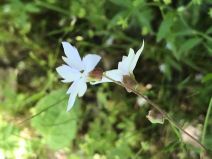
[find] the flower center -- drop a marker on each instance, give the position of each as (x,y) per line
(84,74)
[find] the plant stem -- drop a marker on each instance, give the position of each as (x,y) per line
(206,122)
(157,107)
(168,117)
(43,110)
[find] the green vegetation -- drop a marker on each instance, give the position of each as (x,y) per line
(175,71)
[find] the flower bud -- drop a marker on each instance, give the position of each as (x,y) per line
(155,117)
(95,75)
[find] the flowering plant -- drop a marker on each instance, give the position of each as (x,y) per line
(79,71)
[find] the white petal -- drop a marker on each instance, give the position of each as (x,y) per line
(73,87)
(67,73)
(67,61)
(78,86)
(82,87)
(71,100)
(130,56)
(116,75)
(103,80)
(124,57)
(124,65)
(73,57)
(90,61)
(136,57)
(73,94)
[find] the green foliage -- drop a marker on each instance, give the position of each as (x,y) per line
(165,26)
(56,126)
(8,141)
(10,99)
(206,129)
(174,71)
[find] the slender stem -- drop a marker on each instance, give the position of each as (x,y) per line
(168,117)
(206,121)
(135,91)
(43,110)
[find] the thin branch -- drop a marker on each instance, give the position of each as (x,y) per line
(135,91)
(43,110)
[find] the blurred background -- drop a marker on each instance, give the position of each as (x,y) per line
(175,71)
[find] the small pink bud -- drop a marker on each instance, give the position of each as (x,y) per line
(96,74)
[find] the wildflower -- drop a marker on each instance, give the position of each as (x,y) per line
(76,70)
(125,67)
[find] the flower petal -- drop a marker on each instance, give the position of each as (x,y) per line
(67,61)
(124,65)
(67,73)
(103,80)
(73,87)
(78,86)
(82,87)
(115,74)
(90,61)
(135,59)
(73,90)
(71,100)
(73,58)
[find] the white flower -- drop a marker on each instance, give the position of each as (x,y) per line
(125,67)
(76,70)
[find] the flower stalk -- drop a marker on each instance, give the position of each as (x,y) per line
(80,71)
(157,107)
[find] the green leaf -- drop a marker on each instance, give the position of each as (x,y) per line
(165,27)
(207,78)
(57,127)
(145,22)
(121,3)
(7,136)
(9,98)
(188,45)
(173,63)
(208,46)
(209,30)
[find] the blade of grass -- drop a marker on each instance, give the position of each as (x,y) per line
(206,121)
(206,125)
(53,7)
